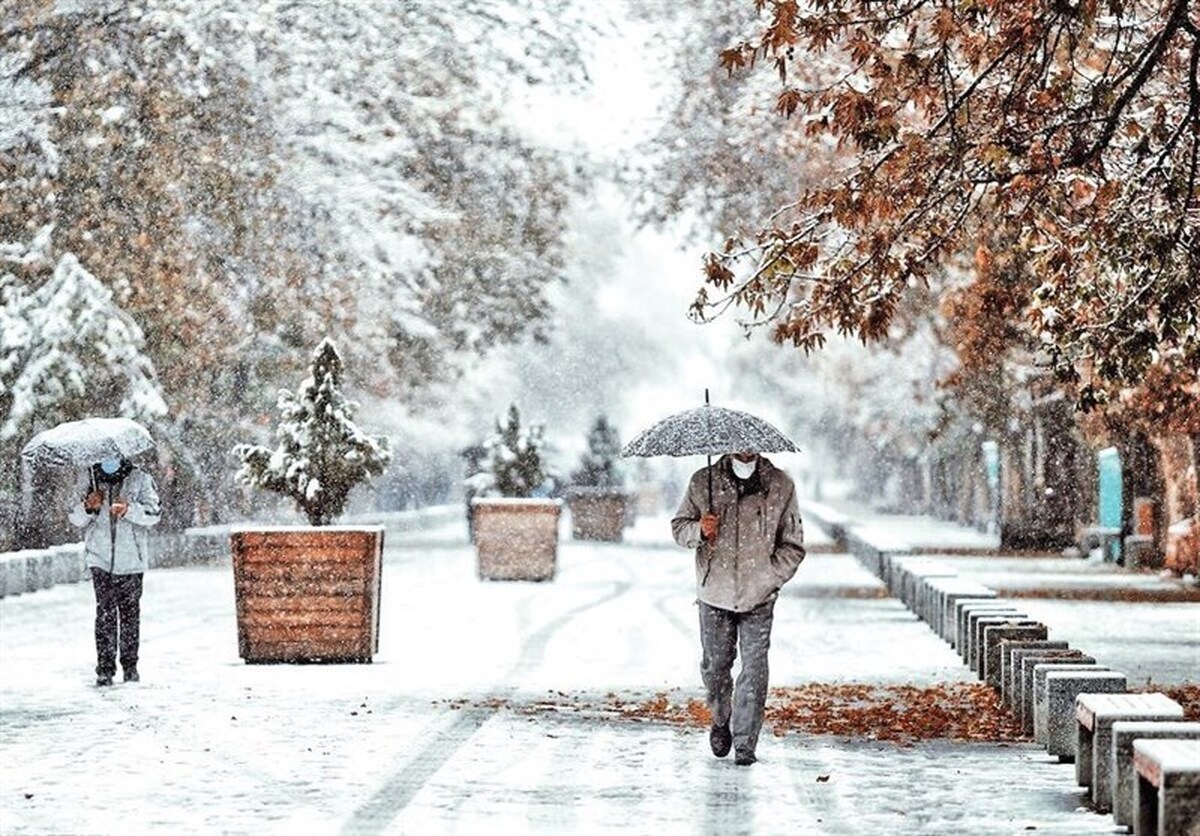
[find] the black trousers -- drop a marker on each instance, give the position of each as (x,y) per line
(118,619)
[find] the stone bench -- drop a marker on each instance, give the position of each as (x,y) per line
(12,574)
(944,592)
(1166,798)
(1032,696)
(906,572)
(874,549)
(1094,716)
(1124,781)
(1101,537)
(1011,654)
(970,613)
(996,639)
(928,590)
(977,651)
(1062,689)
(959,613)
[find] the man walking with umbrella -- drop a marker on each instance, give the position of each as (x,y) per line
(115,504)
(741,517)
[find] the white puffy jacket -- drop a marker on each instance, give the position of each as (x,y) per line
(117,545)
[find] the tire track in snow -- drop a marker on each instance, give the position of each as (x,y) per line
(398,791)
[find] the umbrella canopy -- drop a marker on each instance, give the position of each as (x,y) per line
(83,443)
(709,430)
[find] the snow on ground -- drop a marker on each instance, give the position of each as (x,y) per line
(208,744)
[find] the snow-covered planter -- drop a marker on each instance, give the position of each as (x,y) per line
(597,500)
(515,523)
(311,593)
(307,594)
(598,513)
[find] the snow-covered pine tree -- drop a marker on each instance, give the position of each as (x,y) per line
(322,454)
(67,351)
(514,466)
(598,465)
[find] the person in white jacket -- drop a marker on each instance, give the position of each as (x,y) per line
(116,504)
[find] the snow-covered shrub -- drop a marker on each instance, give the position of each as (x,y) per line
(321,453)
(598,467)
(513,465)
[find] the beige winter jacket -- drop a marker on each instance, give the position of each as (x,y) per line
(760,540)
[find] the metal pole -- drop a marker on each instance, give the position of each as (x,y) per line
(710,505)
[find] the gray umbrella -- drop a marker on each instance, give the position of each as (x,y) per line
(709,431)
(83,443)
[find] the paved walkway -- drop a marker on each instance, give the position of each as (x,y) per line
(446,732)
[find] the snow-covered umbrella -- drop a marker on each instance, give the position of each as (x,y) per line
(87,441)
(709,431)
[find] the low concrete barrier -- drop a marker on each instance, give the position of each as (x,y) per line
(1010,667)
(1166,798)
(32,569)
(1124,732)
(1095,716)
(1062,689)
(832,521)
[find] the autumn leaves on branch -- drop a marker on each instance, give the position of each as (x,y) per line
(1068,130)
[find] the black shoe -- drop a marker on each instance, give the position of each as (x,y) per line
(720,740)
(131,675)
(104,680)
(744,757)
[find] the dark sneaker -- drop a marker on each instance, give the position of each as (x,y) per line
(744,757)
(103,681)
(131,675)
(720,740)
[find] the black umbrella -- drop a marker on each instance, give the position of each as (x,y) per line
(709,431)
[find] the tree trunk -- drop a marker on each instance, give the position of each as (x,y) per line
(1195,439)
(1141,476)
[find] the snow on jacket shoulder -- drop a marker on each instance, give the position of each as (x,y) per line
(760,539)
(117,545)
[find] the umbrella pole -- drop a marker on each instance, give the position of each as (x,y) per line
(709,461)
(710,484)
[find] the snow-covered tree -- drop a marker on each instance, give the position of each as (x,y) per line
(321,454)
(67,350)
(598,467)
(514,465)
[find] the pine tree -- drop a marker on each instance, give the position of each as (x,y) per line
(67,350)
(322,454)
(514,463)
(598,466)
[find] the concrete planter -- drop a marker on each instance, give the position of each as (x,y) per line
(516,539)
(598,514)
(307,594)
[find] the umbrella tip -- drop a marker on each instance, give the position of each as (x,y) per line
(706,397)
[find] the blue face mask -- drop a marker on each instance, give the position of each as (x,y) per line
(110,466)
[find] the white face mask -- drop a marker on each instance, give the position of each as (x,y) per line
(744,470)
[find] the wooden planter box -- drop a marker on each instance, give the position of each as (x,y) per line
(307,594)
(598,514)
(516,539)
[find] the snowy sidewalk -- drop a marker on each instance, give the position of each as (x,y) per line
(426,740)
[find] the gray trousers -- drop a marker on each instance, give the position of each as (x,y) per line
(721,631)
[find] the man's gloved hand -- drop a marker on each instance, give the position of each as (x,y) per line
(93,501)
(119,507)
(709,523)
